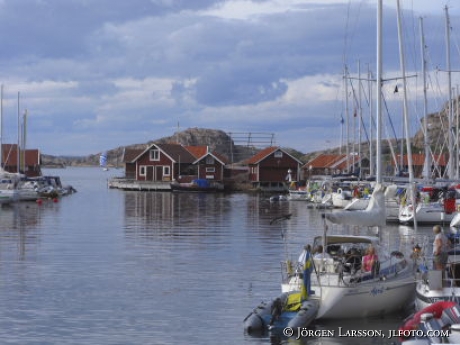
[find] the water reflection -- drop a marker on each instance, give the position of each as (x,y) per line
(20,226)
(111,267)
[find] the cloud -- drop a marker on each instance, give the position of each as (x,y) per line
(99,74)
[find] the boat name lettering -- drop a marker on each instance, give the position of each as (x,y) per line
(377,290)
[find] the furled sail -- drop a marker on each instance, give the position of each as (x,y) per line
(373,215)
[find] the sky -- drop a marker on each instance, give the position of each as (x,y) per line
(93,75)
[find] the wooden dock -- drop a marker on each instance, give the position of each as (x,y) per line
(126,184)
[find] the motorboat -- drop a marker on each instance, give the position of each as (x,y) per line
(436,285)
(435,324)
(342,287)
(286,310)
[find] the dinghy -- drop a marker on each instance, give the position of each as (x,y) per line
(287,310)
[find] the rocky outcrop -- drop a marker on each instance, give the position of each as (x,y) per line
(217,141)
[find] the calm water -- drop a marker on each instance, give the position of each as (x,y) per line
(105,266)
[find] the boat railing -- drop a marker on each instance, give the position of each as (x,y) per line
(335,272)
(437,279)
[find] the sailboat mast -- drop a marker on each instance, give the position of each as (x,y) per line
(371,126)
(1,127)
(18,151)
(406,113)
(347,113)
(379,93)
(426,141)
(452,156)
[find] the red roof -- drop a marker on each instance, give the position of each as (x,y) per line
(261,155)
(331,161)
(325,160)
(418,159)
(197,151)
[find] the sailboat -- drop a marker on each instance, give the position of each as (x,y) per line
(103,161)
(341,283)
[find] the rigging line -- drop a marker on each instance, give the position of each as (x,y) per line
(348,38)
(358,106)
(389,117)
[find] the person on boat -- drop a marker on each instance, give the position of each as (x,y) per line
(277,309)
(441,246)
(352,262)
(370,259)
(320,254)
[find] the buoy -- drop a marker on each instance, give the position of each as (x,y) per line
(55,199)
(39,201)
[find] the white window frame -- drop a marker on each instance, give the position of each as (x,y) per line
(209,160)
(154,155)
(166,170)
(210,169)
(278,154)
(143,170)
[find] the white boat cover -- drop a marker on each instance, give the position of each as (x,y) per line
(373,215)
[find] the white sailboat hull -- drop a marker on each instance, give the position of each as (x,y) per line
(425,213)
(338,301)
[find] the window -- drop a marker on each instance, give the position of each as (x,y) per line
(142,170)
(209,160)
(278,154)
(154,155)
(210,169)
(166,170)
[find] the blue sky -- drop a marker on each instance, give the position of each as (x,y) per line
(95,75)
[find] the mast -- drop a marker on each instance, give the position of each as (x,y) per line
(406,116)
(347,111)
(18,151)
(1,127)
(452,157)
(360,114)
(426,141)
(379,94)
(371,127)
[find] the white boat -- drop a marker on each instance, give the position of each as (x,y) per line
(360,203)
(436,285)
(344,292)
(299,194)
(341,197)
(350,292)
(8,196)
(425,213)
(455,222)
